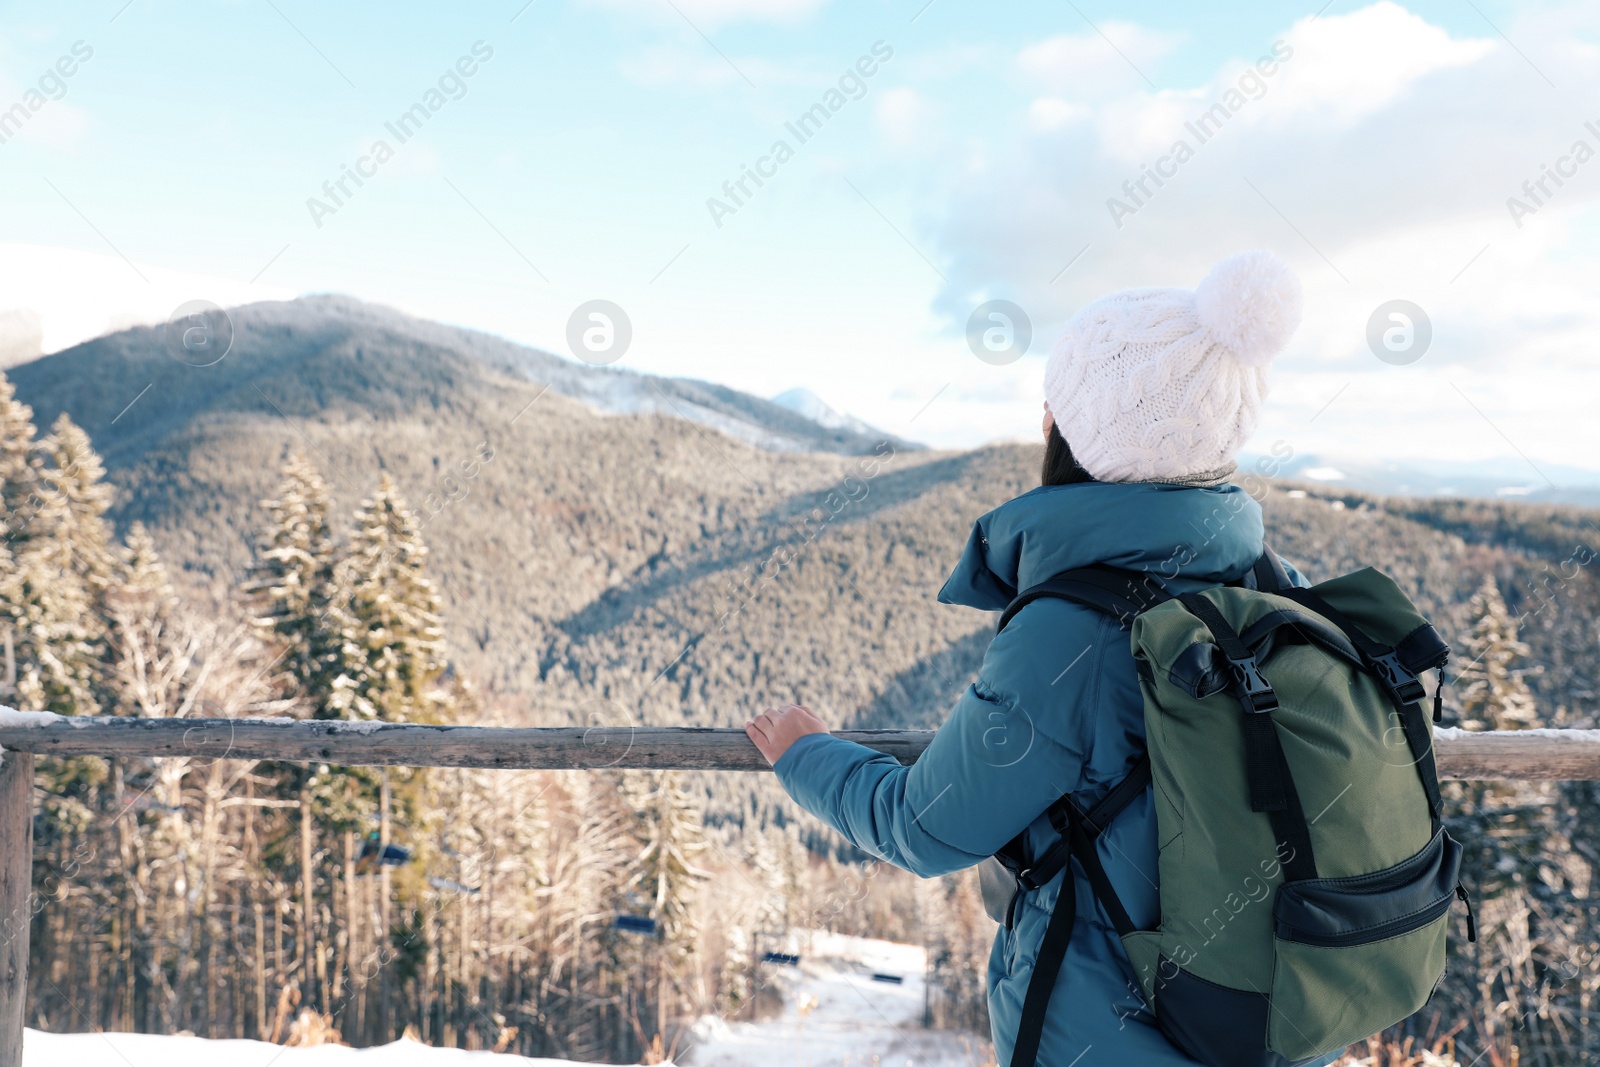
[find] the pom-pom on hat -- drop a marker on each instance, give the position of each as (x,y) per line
(1165,385)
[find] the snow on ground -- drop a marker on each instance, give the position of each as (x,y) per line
(835,1014)
(151,1050)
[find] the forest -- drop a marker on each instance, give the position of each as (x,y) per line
(593,916)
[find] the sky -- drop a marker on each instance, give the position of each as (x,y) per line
(572,150)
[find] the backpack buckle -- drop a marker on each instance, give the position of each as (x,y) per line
(1251,686)
(1405,686)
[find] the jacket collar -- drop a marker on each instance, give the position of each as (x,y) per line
(1212,535)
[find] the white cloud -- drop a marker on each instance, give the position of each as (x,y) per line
(905,117)
(75,295)
(1089,66)
(1379,158)
(1052,112)
(1345,69)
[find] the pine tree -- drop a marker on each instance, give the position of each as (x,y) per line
(150,648)
(20,464)
(670,827)
(61,568)
(388,614)
(292,588)
(385,612)
(78,499)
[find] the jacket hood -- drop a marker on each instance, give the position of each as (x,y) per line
(1211,535)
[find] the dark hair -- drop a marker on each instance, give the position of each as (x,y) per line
(1060,466)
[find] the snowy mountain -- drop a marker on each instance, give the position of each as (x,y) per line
(804,402)
(282,338)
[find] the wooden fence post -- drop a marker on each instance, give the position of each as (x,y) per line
(16,890)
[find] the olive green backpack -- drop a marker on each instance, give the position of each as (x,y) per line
(1305,876)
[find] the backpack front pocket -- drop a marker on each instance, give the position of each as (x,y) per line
(1355,955)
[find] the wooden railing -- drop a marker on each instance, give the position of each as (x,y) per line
(1525,755)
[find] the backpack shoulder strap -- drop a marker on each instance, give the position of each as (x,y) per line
(1269,574)
(1126,594)
(1122,594)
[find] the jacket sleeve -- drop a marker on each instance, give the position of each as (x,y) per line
(1013,745)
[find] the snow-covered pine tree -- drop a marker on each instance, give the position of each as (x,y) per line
(150,648)
(384,612)
(291,585)
(388,614)
(767,856)
(20,462)
(74,486)
(61,567)
(19,492)
(669,824)
(53,596)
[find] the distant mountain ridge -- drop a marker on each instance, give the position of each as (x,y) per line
(274,337)
(763,423)
(1507,478)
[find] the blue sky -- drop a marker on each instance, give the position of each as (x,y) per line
(578,159)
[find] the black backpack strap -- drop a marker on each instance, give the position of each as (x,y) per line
(1046,967)
(1269,573)
(1063,812)
(1122,594)
(1272,789)
(1079,830)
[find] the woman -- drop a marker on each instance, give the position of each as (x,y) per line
(1148,397)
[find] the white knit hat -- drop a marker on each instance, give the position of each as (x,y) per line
(1165,385)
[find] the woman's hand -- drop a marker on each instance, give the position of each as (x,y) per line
(775,729)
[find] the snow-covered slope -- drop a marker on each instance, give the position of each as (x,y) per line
(835,1011)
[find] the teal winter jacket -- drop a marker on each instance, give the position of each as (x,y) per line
(1055,709)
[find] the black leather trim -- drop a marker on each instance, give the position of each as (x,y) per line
(1218,1026)
(1422,649)
(1337,912)
(1198,670)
